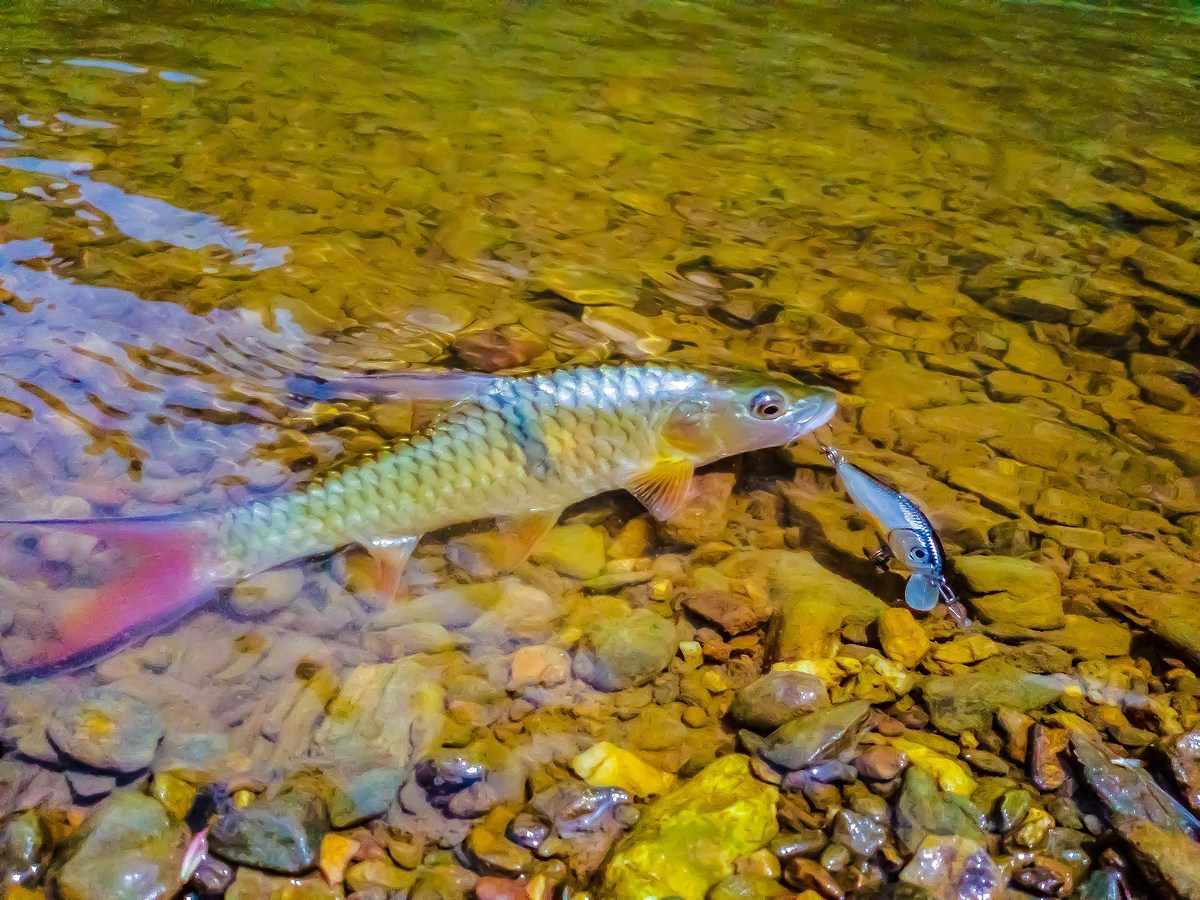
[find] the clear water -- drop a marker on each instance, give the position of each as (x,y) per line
(979,221)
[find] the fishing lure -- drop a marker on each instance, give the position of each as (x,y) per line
(518,449)
(910,537)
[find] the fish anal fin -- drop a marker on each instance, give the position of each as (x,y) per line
(663,489)
(491,553)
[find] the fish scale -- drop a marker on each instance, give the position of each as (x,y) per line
(537,443)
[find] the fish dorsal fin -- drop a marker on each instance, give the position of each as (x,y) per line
(664,488)
(448,386)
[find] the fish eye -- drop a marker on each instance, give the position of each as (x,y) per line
(768,404)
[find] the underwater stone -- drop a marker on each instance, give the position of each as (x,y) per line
(901,636)
(959,703)
(279,834)
(619,653)
(107,729)
(952,867)
(574,550)
(366,796)
(126,849)
(687,841)
(809,740)
(777,697)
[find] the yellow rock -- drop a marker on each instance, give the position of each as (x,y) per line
(336,852)
(969,649)
(379,872)
(831,671)
(950,775)
(688,840)
(607,765)
(893,674)
(174,793)
(901,637)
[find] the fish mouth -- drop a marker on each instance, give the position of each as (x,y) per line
(814,411)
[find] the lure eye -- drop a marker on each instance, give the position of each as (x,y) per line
(768,404)
(918,554)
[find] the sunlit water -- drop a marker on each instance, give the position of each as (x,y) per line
(969,218)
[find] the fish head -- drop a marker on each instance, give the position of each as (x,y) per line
(733,412)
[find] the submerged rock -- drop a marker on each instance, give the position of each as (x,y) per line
(687,841)
(625,651)
(607,765)
(127,849)
(776,698)
(959,703)
(281,834)
(703,515)
(952,868)
(901,637)
(107,729)
(812,739)
(812,603)
(1013,591)
(365,796)
(923,810)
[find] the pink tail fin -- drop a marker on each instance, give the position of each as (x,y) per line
(166,570)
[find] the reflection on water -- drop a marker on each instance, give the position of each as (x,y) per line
(979,222)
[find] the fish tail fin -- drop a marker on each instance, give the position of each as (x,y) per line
(168,566)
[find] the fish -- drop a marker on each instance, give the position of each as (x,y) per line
(515,449)
(910,537)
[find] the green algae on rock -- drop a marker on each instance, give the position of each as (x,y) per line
(624,651)
(127,849)
(959,703)
(280,834)
(816,737)
(687,841)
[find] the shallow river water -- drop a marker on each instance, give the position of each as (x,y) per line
(980,223)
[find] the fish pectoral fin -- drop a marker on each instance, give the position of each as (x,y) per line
(390,557)
(664,488)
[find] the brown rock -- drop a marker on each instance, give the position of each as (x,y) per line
(880,763)
(1045,765)
(732,613)
(808,875)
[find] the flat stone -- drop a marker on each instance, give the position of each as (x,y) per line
(967,702)
(127,849)
(816,737)
(107,729)
(1165,270)
(732,613)
(1091,638)
(1019,577)
(267,593)
(776,698)
(574,550)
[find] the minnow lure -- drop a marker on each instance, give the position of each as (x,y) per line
(520,449)
(911,538)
